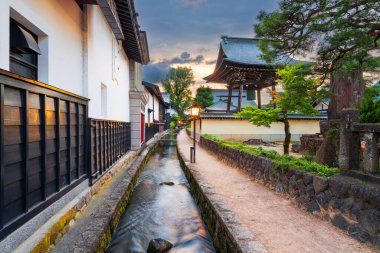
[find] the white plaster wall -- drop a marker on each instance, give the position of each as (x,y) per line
(59,25)
(156,109)
(108,65)
(149,105)
(243,129)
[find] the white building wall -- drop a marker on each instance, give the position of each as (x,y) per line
(63,61)
(156,109)
(59,27)
(149,105)
(108,65)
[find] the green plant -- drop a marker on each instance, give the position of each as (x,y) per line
(177,84)
(299,90)
(370,105)
(281,162)
(204,97)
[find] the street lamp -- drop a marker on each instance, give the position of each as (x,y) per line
(194,111)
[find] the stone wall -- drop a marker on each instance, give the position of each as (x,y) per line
(229,235)
(348,203)
(310,143)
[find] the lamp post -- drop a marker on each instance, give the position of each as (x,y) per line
(194,111)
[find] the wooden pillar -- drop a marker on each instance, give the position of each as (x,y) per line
(240,97)
(229,98)
(259,98)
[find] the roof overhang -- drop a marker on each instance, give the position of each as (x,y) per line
(135,43)
(109,10)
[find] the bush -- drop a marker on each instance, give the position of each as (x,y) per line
(282,162)
(370,105)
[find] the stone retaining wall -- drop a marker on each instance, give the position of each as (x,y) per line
(228,234)
(348,203)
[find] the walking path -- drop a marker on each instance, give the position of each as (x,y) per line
(274,220)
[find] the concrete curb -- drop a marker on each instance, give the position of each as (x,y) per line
(59,224)
(228,233)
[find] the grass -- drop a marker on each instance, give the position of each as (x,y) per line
(282,162)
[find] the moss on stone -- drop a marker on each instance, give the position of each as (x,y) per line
(54,232)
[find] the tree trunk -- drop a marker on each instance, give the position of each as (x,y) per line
(287,135)
(348,93)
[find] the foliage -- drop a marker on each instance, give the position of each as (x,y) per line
(299,90)
(341,33)
(260,117)
(177,84)
(282,162)
(204,97)
(370,105)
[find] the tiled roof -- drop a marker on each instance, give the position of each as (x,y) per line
(219,106)
(246,50)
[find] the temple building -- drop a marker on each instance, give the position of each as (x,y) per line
(247,78)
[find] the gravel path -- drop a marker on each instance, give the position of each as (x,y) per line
(276,222)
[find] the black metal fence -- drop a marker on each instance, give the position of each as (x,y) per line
(109,140)
(43,147)
(150,130)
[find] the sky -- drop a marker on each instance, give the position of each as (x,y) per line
(187,32)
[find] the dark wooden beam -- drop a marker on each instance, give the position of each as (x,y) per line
(69,134)
(240,98)
(259,98)
(1,154)
(44,143)
(58,144)
(86,2)
(229,98)
(26,151)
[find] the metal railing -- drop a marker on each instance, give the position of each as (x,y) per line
(43,147)
(108,141)
(150,130)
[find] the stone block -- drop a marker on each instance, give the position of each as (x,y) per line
(370,220)
(339,187)
(320,184)
(323,200)
(307,178)
(340,222)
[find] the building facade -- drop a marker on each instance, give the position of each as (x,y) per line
(82,49)
(70,80)
(156,110)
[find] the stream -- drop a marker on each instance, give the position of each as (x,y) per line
(162,211)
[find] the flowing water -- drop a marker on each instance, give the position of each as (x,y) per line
(162,211)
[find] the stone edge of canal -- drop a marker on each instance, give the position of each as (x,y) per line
(228,234)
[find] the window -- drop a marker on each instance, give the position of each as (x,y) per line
(23,51)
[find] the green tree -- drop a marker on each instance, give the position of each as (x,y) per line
(204,97)
(177,84)
(370,105)
(342,34)
(299,90)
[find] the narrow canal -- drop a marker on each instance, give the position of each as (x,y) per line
(160,210)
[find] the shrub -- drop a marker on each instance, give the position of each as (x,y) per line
(281,162)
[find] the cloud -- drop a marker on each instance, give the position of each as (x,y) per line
(185,55)
(156,71)
(194,3)
(210,62)
(184,58)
